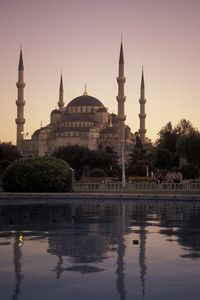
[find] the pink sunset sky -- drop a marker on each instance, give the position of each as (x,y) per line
(82,37)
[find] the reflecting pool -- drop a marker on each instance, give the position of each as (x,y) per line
(100,250)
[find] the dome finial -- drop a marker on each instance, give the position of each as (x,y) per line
(85,91)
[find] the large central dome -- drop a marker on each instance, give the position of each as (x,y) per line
(85,100)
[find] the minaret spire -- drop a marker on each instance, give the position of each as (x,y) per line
(21,64)
(61,102)
(142,115)
(121,56)
(142,80)
(121,79)
(20,102)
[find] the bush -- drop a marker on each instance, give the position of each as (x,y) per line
(8,153)
(37,174)
(190,172)
(97,173)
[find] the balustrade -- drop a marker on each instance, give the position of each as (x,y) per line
(136,186)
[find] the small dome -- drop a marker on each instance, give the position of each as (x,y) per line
(55,111)
(36,134)
(85,100)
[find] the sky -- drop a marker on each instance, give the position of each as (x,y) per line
(82,38)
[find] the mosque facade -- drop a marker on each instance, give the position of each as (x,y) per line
(84,121)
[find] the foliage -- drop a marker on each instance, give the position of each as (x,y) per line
(183,127)
(107,160)
(188,146)
(138,160)
(163,158)
(8,153)
(37,174)
(190,172)
(82,159)
(76,156)
(163,172)
(168,136)
(97,173)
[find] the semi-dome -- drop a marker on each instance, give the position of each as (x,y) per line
(55,111)
(35,135)
(85,100)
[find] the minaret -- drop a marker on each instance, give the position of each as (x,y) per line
(142,114)
(61,102)
(20,102)
(121,99)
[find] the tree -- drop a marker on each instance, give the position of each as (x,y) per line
(183,127)
(188,146)
(138,160)
(37,174)
(169,135)
(167,138)
(107,160)
(8,153)
(82,158)
(78,157)
(190,172)
(163,159)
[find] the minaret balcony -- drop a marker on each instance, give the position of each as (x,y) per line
(121,98)
(20,102)
(142,131)
(142,115)
(142,100)
(20,84)
(121,118)
(121,79)
(20,121)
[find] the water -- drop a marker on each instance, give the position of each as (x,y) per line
(100,250)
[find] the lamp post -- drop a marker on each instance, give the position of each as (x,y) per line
(123,167)
(24,134)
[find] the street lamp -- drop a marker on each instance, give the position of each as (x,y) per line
(24,134)
(123,167)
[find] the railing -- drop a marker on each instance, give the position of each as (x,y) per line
(136,186)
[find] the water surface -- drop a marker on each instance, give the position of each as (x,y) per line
(100,250)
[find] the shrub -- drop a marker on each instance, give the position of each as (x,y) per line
(37,174)
(190,172)
(97,173)
(8,153)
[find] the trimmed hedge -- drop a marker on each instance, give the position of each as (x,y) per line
(37,174)
(97,173)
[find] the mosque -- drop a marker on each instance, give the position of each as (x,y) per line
(84,121)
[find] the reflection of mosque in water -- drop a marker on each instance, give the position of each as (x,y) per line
(87,233)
